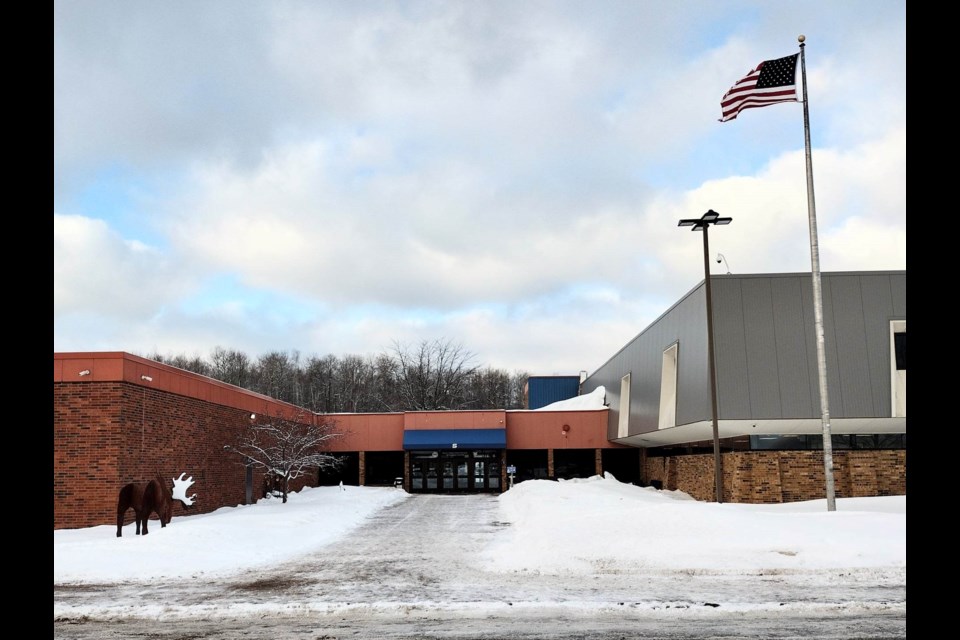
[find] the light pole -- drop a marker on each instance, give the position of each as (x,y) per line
(701,224)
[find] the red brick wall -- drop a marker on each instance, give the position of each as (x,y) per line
(782,476)
(86,450)
(107,434)
(696,475)
(753,476)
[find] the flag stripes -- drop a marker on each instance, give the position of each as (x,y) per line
(772,82)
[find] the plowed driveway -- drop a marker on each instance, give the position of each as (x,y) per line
(412,572)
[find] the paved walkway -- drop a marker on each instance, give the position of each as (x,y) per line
(413,572)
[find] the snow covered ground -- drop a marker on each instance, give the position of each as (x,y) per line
(543,559)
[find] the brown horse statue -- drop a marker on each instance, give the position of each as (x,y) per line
(154,496)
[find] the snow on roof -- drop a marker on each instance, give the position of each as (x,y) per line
(586,402)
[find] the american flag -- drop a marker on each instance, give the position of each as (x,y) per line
(773,81)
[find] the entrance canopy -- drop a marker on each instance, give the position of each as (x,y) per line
(439,439)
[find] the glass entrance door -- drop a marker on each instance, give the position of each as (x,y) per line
(455,471)
(424,470)
(463,474)
(479,474)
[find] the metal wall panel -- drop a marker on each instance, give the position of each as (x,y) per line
(796,351)
(544,390)
(766,350)
(852,360)
(898,294)
(878,310)
(829,344)
(730,346)
(762,372)
(642,357)
(688,325)
(831,347)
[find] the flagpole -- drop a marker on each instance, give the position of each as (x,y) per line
(817,295)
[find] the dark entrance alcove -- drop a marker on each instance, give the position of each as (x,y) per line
(624,464)
(382,468)
(574,463)
(348,471)
(530,464)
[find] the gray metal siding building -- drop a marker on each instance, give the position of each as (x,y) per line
(767,374)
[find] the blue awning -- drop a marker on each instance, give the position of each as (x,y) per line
(455,439)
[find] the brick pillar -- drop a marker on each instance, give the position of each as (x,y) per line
(503,470)
(549,463)
(363,468)
(644,473)
(406,471)
(670,474)
(598,461)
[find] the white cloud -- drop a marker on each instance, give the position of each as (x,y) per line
(506,174)
(95,270)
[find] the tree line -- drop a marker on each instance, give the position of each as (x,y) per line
(436,375)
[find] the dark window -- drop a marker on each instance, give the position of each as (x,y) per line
(781,442)
(892,441)
(574,463)
(815,442)
(839,442)
(530,464)
(869,441)
(900,349)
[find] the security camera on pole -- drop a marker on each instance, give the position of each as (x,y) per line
(702,224)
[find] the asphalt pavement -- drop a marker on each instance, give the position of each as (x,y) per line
(412,571)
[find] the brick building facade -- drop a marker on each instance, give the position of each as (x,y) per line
(120,418)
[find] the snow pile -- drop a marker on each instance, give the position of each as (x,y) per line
(227,540)
(586,402)
(598,522)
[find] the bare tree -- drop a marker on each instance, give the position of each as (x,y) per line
(288,448)
(230,366)
(194,364)
(276,375)
(356,377)
(318,379)
(433,375)
(385,385)
(518,386)
(489,389)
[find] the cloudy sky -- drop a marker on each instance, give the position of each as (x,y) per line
(337,177)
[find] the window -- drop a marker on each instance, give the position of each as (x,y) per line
(898,368)
(793,442)
(900,350)
(623,426)
(779,442)
(668,388)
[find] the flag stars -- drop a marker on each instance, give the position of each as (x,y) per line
(771,82)
(778,73)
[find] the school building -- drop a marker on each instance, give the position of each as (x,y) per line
(120,418)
